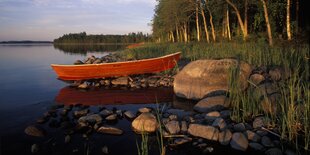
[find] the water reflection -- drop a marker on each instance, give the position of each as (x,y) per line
(100,96)
(85,48)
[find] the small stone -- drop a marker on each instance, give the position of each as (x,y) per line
(262,133)
(220,122)
(93,118)
(256,79)
(129,114)
(106,112)
(258,122)
(119,112)
(173,117)
(146,122)
(110,130)
(202,145)
(78,62)
(67,139)
(41,120)
(266,141)
(83,86)
(80,113)
(252,136)
(180,141)
(239,141)
(208,104)
(208,149)
(225,137)
(105,150)
(274,151)
(111,117)
(211,116)
(35,131)
(144,110)
(204,131)
(240,127)
(290,152)
(183,126)
(121,81)
(225,113)
(256,146)
(173,127)
(34,148)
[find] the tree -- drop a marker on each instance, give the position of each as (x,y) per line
(288,21)
(267,22)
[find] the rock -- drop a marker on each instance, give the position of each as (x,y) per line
(109,130)
(144,109)
(180,113)
(80,113)
(204,131)
(78,62)
(256,146)
(269,103)
(180,141)
(173,117)
(275,74)
(121,81)
(201,77)
(129,114)
(252,136)
(83,86)
(274,151)
(105,112)
(225,113)
(67,139)
(111,117)
(42,120)
(183,126)
(240,127)
(265,89)
(146,122)
(105,150)
(225,137)
(262,133)
(36,131)
(209,104)
(239,141)
(208,149)
(34,148)
(173,127)
(266,141)
(211,116)
(97,61)
(257,78)
(290,152)
(259,122)
(220,122)
(93,118)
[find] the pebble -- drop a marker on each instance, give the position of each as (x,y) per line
(129,114)
(105,150)
(144,110)
(34,148)
(111,117)
(274,151)
(67,139)
(173,127)
(35,131)
(266,141)
(240,127)
(110,130)
(208,149)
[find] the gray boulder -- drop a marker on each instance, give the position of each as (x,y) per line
(201,77)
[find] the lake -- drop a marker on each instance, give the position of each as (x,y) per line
(29,87)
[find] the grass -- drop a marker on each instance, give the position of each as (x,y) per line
(293,109)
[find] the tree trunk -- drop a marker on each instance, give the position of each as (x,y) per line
(177,32)
(297,16)
(227,22)
(267,22)
(211,22)
(246,16)
(205,23)
(197,22)
(288,21)
(245,33)
(185,33)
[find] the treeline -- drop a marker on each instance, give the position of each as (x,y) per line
(214,20)
(83,38)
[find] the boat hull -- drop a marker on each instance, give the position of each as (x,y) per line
(94,71)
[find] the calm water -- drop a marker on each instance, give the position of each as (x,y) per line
(28,87)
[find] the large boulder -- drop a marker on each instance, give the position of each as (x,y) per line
(202,77)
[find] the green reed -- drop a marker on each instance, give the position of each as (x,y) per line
(143,147)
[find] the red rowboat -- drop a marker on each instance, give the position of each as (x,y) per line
(93,71)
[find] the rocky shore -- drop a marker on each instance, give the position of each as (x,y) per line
(210,120)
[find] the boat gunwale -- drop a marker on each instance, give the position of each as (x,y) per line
(113,63)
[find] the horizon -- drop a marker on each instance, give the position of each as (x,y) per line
(46,20)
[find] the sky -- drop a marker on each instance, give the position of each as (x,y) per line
(49,19)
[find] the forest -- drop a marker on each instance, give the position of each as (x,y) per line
(216,20)
(83,38)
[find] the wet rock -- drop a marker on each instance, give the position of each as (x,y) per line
(180,141)
(67,139)
(257,79)
(105,150)
(93,118)
(42,120)
(239,141)
(183,126)
(262,133)
(274,151)
(119,113)
(34,148)
(121,81)
(106,112)
(36,131)
(225,137)
(252,136)
(97,61)
(266,141)
(180,113)
(146,122)
(111,117)
(173,127)
(204,131)
(80,113)
(109,130)
(215,103)
(144,110)
(83,86)
(201,77)
(78,62)
(129,114)
(240,127)
(220,123)
(256,146)
(208,149)
(265,89)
